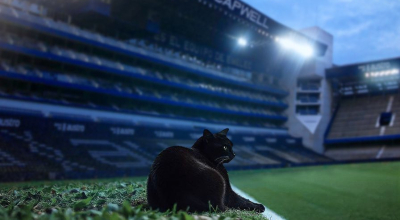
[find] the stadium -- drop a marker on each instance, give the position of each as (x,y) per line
(91,91)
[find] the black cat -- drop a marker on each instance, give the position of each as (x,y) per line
(195,178)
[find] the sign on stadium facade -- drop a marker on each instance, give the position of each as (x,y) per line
(245,11)
(10,122)
(360,69)
(375,67)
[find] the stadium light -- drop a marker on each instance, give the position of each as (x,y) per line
(242,42)
(304,50)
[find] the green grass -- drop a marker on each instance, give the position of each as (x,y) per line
(115,199)
(354,192)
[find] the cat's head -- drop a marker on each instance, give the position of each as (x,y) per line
(217,147)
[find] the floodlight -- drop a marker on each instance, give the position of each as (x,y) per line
(304,50)
(381,73)
(242,42)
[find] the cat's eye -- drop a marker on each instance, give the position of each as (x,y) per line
(225,148)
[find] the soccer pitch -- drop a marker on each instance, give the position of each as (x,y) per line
(354,192)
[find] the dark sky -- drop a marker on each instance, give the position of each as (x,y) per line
(363,30)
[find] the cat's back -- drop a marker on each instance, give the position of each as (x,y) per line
(177,158)
(174,151)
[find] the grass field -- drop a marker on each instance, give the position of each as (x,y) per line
(354,192)
(358,191)
(114,199)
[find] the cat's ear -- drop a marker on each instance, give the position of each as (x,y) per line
(207,133)
(223,132)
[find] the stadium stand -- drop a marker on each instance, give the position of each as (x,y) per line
(84,94)
(87,148)
(365,125)
(98,64)
(364,152)
(105,43)
(354,153)
(356,113)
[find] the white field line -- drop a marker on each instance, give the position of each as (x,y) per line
(268,213)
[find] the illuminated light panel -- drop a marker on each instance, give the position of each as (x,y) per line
(304,50)
(242,42)
(391,72)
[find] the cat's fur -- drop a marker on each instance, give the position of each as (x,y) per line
(195,178)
